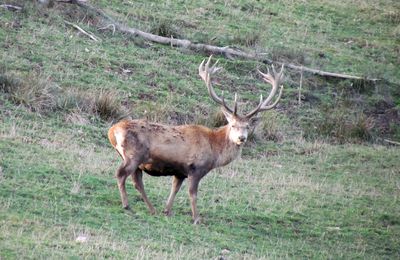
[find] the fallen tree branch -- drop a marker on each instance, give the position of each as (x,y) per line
(91,36)
(11,7)
(391,142)
(226,51)
(108,26)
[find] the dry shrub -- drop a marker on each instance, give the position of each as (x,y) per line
(165,28)
(362,127)
(269,127)
(216,119)
(107,105)
(75,100)
(40,94)
(288,54)
(250,39)
(339,125)
(34,91)
(392,16)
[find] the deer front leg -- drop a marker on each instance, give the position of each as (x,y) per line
(176,185)
(138,183)
(193,186)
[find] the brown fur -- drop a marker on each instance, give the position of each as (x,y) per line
(160,150)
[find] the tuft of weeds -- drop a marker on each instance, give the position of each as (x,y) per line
(338,124)
(269,128)
(107,105)
(34,91)
(392,16)
(8,83)
(251,39)
(292,55)
(165,28)
(216,119)
(73,100)
(39,94)
(395,131)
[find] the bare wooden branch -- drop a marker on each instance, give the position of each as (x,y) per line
(226,51)
(391,142)
(108,26)
(11,7)
(91,36)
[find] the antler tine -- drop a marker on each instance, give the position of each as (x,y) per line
(235,106)
(263,108)
(205,72)
(273,79)
(255,110)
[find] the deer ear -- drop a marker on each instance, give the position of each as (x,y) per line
(254,121)
(227,115)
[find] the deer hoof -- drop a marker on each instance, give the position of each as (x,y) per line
(167,213)
(127,207)
(197,221)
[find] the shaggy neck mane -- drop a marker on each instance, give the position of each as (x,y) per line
(225,150)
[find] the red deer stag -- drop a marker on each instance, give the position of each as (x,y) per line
(185,151)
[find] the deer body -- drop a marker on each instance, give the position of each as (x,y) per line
(185,151)
(173,150)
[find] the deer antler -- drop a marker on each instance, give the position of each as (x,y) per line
(274,79)
(205,72)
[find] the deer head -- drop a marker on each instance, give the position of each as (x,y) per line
(239,125)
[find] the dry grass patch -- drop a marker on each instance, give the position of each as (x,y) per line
(35,91)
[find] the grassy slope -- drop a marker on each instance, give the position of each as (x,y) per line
(306,199)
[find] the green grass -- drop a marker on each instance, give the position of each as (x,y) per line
(287,197)
(308,200)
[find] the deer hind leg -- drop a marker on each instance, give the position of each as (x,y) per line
(193,187)
(138,183)
(122,173)
(176,185)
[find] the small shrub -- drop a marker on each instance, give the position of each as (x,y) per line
(209,116)
(361,127)
(8,83)
(269,127)
(218,119)
(107,105)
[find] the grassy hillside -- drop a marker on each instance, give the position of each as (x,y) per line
(315,180)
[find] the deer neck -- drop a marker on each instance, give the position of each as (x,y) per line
(225,150)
